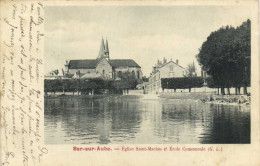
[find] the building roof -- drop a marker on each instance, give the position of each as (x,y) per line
(92,63)
(106,48)
(123,63)
(170,62)
(101,50)
(154,72)
(83,64)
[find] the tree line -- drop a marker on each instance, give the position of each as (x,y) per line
(92,85)
(226,57)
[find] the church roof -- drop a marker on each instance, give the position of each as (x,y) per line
(101,50)
(92,63)
(83,64)
(106,47)
(171,62)
(123,63)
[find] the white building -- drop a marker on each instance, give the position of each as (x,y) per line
(163,70)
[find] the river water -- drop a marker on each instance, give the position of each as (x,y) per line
(134,120)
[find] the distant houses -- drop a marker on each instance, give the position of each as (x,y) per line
(55,74)
(163,69)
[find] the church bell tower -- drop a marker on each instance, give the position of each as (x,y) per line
(104,50)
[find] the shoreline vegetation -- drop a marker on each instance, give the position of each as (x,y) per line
(210,98)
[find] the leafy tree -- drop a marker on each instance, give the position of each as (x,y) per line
(127,81)
(242,45)
(225,55)
(190,70)
(182,83)
(94,85)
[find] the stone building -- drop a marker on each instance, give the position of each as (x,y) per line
(163,70)
(55,74)
(102,66)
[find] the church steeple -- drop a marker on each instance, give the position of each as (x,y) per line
(104,50)
(101,50)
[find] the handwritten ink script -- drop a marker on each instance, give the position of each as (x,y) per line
(22,83)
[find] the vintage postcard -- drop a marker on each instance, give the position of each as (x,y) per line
(129,83)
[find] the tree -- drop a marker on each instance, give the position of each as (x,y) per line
(242,46)
(190,70)
(127,80)
(225,55)
(182,83)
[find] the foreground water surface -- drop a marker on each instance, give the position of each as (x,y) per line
(134,120)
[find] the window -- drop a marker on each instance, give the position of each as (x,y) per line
(171,68)
(133,73)
(119,73)
(138,75)
(103,72)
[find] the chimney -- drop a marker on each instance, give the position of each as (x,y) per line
(159,63)
(164,60)
(177,61)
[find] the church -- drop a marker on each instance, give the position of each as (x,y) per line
(102,66)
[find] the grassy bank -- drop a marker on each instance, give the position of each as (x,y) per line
(182,95)
(210,98)
(97,96)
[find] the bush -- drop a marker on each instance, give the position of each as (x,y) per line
(182,83)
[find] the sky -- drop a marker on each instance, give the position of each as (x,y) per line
(142,33)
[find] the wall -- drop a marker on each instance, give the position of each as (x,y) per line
(194,95)
(167,73)
(103,65)
(129,69)
(73,71)
(154,83)
(133,92)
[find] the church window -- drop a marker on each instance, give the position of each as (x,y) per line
(138,75)
(133,73)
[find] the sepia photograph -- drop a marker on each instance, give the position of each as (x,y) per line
(147,75)
(115,83)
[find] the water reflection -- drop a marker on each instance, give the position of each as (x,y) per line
(135,120)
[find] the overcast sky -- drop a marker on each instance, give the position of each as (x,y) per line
(144,34)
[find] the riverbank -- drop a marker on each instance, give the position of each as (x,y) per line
(79,96)
(203,97)
(97,96)
(185,95)
(210,98)
(229,99)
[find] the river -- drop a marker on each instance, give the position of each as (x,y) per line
(134,120)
